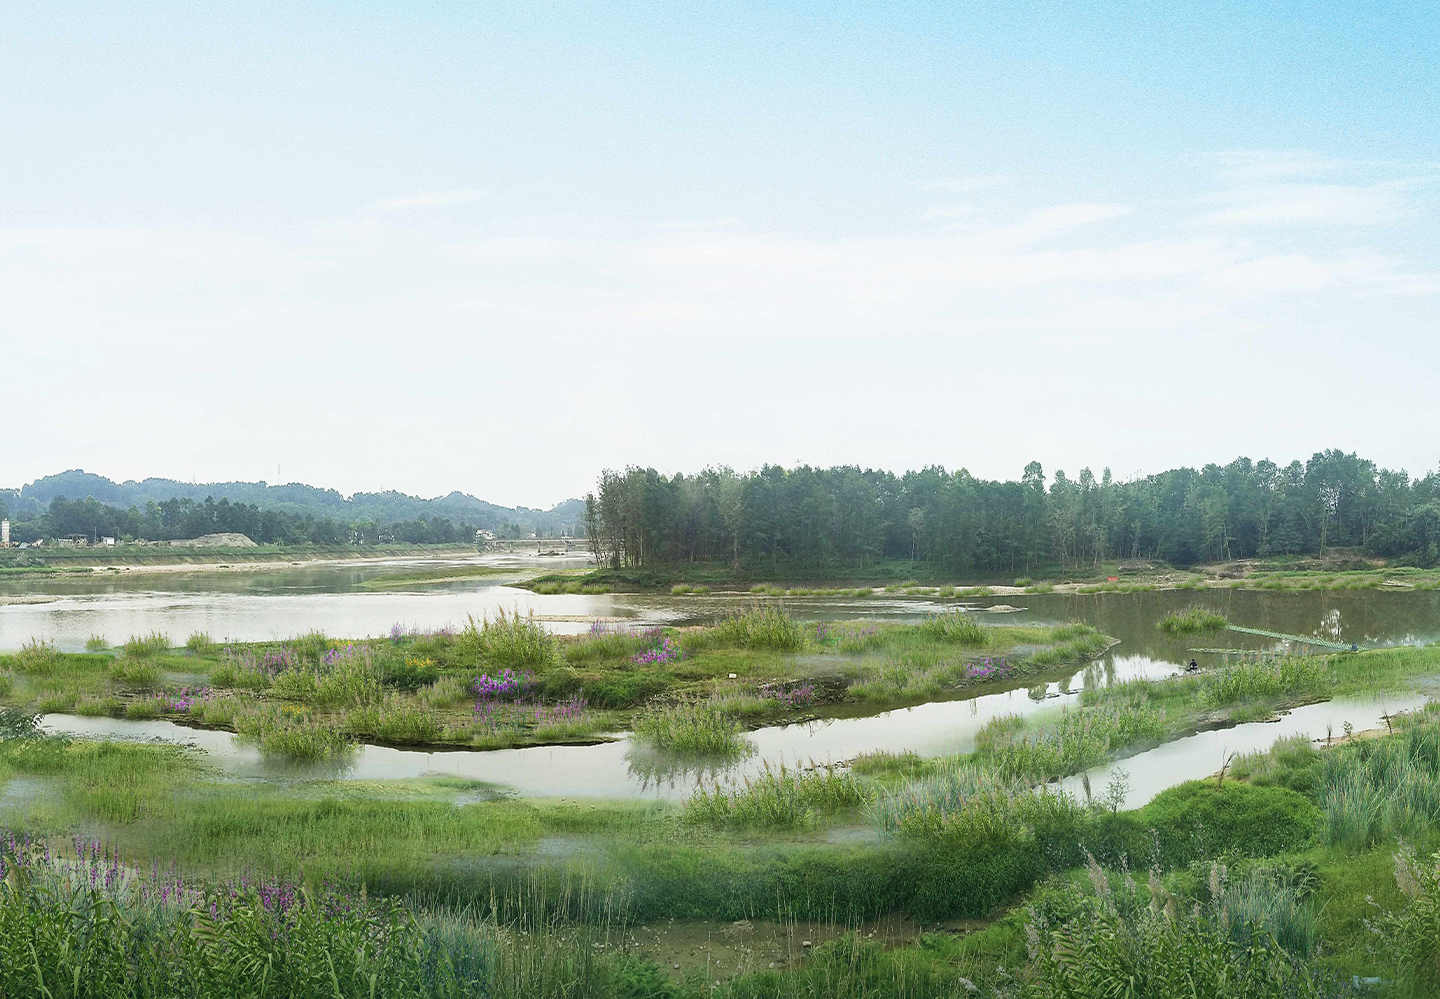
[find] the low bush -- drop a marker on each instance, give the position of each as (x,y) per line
(509,640)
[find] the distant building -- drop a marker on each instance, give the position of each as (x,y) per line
(4,534)
(484,535)
(108,542)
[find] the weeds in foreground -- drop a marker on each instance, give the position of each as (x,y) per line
(956,627)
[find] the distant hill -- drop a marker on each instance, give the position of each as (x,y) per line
(295,497)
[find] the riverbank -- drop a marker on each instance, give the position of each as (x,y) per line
(161,560)
(911,578)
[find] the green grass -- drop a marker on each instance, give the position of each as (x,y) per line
(96,643)
(1191,621)
(141,646)
(690,727)
(200,643)
(778,797)
(957,627)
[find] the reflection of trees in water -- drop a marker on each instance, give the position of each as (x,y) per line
(1331,625)
(657,767)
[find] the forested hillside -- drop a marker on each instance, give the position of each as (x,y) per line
(846,516)
(77,502)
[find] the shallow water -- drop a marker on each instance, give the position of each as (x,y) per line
(1203,754)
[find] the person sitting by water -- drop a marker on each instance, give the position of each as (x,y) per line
(1354,647)
(1193,667)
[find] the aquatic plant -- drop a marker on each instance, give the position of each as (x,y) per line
(508,640)
(689,727)
(200,643)
(138,646)
(96,643)
(958,627)
(971,805)
(133,671)
(1191,620)
(759,627)
(777,797)
(37,657)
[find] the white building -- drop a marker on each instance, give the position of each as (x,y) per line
(4,534)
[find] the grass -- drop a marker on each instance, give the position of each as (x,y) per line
(1191,621)
(432,575)
(690,727)
(96,643)
(200,643)
(765,627)
(957,627)
(142,646)
(778,797)
(508,641)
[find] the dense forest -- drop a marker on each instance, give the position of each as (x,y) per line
(184,518)
(844,517)
(391,507)
(77,502)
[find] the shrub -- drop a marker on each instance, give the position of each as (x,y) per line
(200,643)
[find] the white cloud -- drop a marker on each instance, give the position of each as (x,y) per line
(430,199)
(1317,204)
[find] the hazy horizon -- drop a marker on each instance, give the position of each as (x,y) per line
(497,250)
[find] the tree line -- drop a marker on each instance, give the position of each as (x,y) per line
(846,517)
(185,518)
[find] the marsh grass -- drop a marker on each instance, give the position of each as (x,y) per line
(37,658)
(777,797)
(1264,681)
(971,806)
(955,627)
(134,672)
(1191,620)
(690,727)
(200,643)
(766,627)
(143,646)
(96,643)
(508,640)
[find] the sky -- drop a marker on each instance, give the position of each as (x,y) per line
(499,247)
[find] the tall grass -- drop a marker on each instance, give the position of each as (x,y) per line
(1381,788)
(37,658)
(200,643)
(96,643)
(1257,681)
(1119,935)
(972,806)
(508,640)
(778,797)
(759,627)
(696,727)
(1191,620)
(141,646)
(957,627)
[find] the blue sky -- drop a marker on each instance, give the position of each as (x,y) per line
(498,247)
